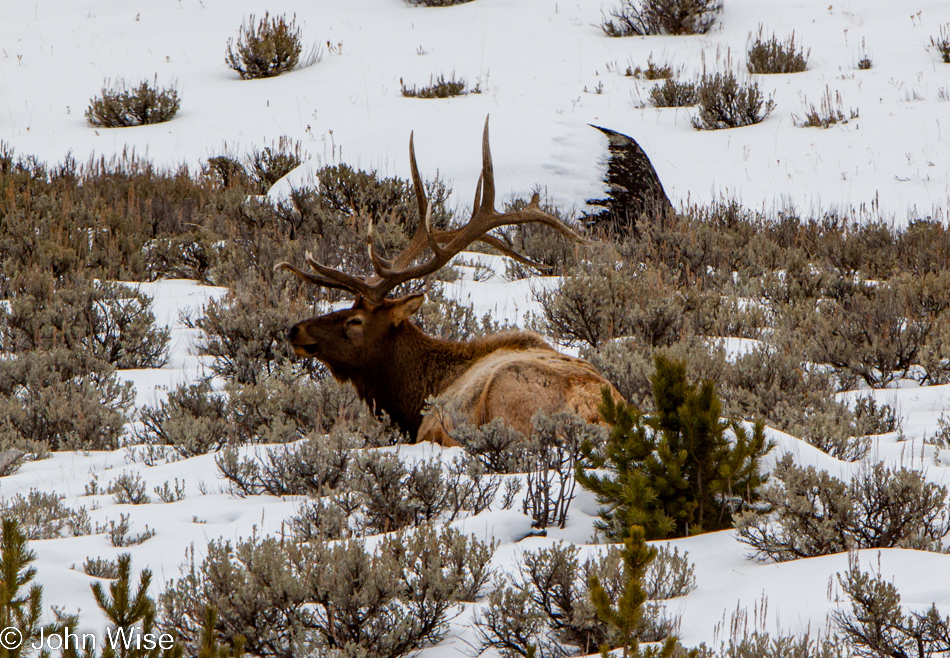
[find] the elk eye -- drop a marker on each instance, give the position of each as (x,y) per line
(354,322)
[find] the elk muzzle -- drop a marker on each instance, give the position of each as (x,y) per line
(300,343)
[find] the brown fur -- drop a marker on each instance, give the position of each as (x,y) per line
(394,367)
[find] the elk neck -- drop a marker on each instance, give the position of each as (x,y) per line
(419,366)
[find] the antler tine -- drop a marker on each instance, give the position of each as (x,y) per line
(421,200)
(477,202)
(353,283)
(380,264)
(486,182)
(423,235)
(350,284)
(431,233)
(494,242)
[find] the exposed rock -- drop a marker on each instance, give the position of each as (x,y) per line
(635,191)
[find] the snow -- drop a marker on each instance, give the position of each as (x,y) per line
(533,61)
(538,64)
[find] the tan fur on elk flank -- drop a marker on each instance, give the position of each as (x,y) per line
(395,367)
(515,385)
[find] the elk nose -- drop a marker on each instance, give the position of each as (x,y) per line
(292,332)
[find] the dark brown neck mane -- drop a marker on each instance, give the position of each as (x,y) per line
(421,366)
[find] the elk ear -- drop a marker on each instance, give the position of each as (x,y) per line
(405,307)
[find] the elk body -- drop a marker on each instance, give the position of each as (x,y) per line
(395,366)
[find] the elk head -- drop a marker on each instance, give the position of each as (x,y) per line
(356,337)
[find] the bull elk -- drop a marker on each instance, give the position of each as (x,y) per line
(395,367)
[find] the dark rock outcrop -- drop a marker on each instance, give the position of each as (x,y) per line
(635,192)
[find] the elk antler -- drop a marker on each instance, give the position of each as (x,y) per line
(444,244)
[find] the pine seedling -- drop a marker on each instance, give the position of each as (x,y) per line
(20,608)
(625,615)
(209,639)
(130,614)
(676,472)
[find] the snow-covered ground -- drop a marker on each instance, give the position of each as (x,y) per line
(533,60)
(539,64)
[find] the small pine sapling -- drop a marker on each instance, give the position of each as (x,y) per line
(210,648)
(20,609)
(131,619)
(626,615)
(676,472)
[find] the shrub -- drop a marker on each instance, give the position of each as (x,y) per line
(390,602)
(662,17)
(129,490)
(116,219)
(123,219)
(192,421)
(878,332)
(628,23)
(283,408)
(675,472)
(268,165)
(246,331)
(628,365)
(439,88)
(495,445)
(122,106)
(321,519)
(876,625)
(101,568)
(872,418)
(546,606)
(119,533)
(317,466)
(832,429)
(673,93)
(42,515)
(652,71)
(826,115)
(941,437)
(670,575)
(607,297)
(107,321)
(393,495)
(63,400)
(724,102)
(450,319)
(553,453)
(774,56)
(168,494)
(436,3)
(680,16)
(396,495)
(942,43)
(267,48)
(813,513)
